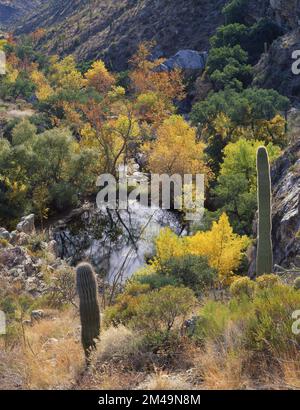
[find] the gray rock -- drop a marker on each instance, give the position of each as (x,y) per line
(4,234)
(27,224)
(22,239)
(186,60)
(52,247)
(37,314)
(13,236)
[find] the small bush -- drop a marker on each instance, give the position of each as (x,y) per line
(191,271)
(156,281)
(243,287)
(161,311)
(117,343)
(267,281)
(270,326)
(125,308)
(63,289)
(3,243)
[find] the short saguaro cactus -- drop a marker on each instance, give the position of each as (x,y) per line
(89,307)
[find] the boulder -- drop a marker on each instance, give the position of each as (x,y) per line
(26,225)
(4,234)
(186,60)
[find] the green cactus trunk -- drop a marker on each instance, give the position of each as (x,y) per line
(264,259)
(89,307)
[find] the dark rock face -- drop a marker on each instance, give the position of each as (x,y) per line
(274,70)
(112,30)
(286,210)
(286,12)
(6,13)
(10,10)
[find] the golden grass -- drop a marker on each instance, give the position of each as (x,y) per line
(53,359)
(52,356)
(53,353)
(164,381)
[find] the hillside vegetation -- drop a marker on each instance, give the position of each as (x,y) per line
(112,30)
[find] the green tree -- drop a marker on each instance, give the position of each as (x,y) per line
(227,66)
(236,185)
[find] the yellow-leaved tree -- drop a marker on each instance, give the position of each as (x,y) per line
(44,90)
(223,248)
(99,77)
(176,150)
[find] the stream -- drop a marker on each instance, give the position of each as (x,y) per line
(117,243)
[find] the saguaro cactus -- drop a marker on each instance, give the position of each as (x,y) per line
(89,307)
(264,259)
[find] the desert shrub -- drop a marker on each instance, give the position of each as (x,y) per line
(162,310)
(267,281)
(125,307)
(156,280)
(37,242)
(191,271)
(4,243)
(215,317)
(64,289)
(243,287)
(156,314)
(117,343)
(270,326)
(264,322)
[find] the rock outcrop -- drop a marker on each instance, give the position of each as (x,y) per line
(26,260)
(286,207)
(10,10)
(274,69)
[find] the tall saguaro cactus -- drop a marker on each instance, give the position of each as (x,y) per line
(264,259)
(89,307)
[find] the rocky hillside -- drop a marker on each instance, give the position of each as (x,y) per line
(11,10)
(274,68)
(112,30)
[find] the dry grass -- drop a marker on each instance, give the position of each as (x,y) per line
(221,369)
(54,356)
(164,381)
(53,359)
(50,358)
(117,343)
(12,369)
(290,366)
